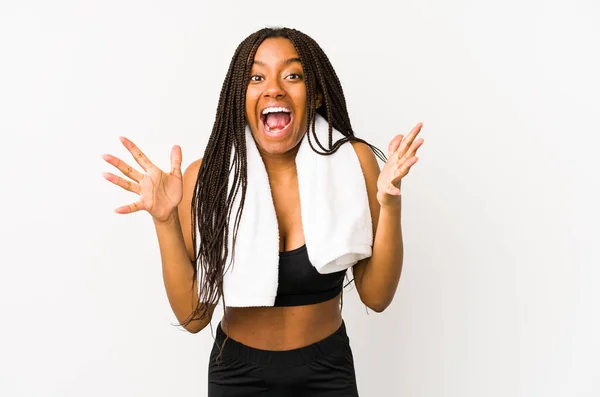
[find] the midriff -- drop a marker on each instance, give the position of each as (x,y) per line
(282,328)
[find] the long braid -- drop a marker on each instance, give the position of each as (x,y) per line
(213,197)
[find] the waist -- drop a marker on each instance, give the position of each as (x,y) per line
(231,348)
(282,328)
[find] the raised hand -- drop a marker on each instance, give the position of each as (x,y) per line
(159,192)
(401,157)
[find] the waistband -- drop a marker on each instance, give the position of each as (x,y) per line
(284,358)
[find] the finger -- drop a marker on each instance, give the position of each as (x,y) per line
(406,142)
(137,154)
(404,169)
(124,183)
(128,209)
(176,158)
(122,166)
(412,151)
(394,144)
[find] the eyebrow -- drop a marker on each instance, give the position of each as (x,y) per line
(286,62)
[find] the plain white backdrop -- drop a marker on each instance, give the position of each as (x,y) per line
(499,294)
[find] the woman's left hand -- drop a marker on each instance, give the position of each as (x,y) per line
(401,157)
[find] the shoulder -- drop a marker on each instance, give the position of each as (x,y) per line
(367,159)
(191,172)
(370,169)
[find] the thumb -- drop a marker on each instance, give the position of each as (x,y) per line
(176,158)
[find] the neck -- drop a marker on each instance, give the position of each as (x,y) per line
(280,165)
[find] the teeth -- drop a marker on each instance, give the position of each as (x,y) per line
(275,110)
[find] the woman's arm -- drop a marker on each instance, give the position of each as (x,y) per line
(177,254)
(376,278)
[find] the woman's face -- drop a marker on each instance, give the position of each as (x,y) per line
(276,97)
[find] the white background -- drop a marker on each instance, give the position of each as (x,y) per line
(500,289)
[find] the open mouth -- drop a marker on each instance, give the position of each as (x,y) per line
(276,121)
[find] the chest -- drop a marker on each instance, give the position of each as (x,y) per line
(286,199)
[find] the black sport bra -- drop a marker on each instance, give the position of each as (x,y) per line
(301,284)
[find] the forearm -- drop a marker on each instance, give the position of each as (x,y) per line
(382,271)
(178,272)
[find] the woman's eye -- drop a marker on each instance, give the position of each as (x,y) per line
(294,76)
(255,77)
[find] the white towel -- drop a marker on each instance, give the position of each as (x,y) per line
(335,216)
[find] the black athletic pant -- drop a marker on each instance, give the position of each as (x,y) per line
(325,368)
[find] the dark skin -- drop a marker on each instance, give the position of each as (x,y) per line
(277,80)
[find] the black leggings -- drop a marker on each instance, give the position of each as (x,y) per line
(325,368)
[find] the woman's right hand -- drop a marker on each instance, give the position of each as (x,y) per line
(160,193)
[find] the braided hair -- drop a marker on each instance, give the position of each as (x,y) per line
(225,154)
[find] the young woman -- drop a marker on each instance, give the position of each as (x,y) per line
(279,84)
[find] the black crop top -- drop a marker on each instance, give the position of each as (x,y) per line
(301,284)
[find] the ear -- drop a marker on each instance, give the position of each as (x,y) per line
(318,99)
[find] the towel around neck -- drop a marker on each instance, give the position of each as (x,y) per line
(335,213)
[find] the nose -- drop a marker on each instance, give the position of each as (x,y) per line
(274,89)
